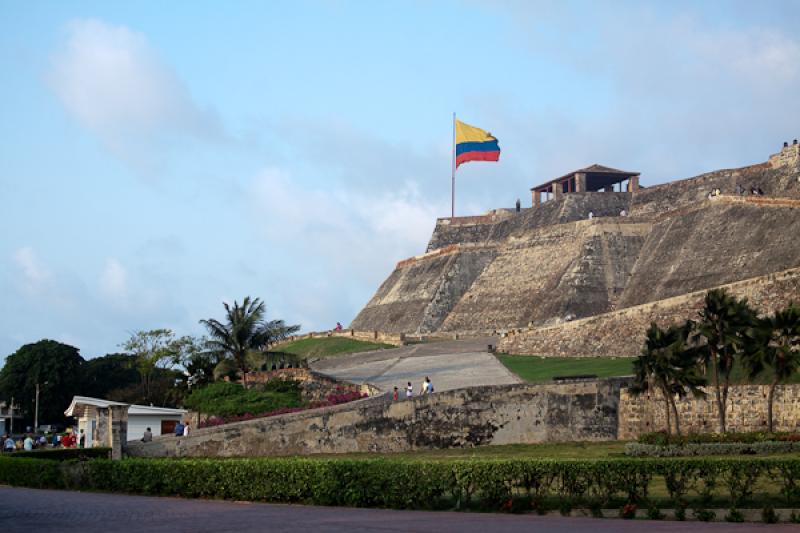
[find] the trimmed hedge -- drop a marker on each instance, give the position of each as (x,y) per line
(662,438)
(63,454)
(512,484)
(635,449)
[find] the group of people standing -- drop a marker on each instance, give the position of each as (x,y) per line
(32,442)
(425,388)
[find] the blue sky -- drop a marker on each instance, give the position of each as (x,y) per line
(159,158)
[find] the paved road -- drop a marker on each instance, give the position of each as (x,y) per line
(27,510)
(450,365)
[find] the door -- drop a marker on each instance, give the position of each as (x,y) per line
(168,427)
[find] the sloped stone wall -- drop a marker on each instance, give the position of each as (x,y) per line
(622,333)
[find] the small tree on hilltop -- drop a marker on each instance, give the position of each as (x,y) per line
(669,366)
(245,331)
(775,344)
(723,327)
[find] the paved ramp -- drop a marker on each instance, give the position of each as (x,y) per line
(450,365)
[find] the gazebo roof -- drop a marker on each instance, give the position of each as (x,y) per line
(591,169)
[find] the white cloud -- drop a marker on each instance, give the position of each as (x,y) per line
(35,275)
(114,282)
(113,82)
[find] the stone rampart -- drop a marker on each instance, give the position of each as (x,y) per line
(583,410)
(725,241)
(746,411)
(622,332)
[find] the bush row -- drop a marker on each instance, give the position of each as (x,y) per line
(662,438)
(417,484)
(635,449)
(62,454)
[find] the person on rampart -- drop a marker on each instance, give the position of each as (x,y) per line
(409,390)
(179,429)
(148,435)
(338,327)
(395,394)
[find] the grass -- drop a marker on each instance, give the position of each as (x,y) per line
(328,347)
(561,450)
(535,369)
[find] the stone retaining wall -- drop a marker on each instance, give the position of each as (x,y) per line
(583,410)
(746,411)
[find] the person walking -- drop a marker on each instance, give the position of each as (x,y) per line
(82,440)
(179,429)
(8,444)
(395,394)
(409,390)
(28,443)
(186,430)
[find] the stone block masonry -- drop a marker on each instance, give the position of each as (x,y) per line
(583,410)
(622,333)
(746,411)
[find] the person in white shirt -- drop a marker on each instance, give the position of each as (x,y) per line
(409,390)
(28,444)
(186,430)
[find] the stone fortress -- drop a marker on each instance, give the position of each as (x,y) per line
(553,281)
(597,257)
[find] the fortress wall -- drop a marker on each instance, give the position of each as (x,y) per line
(622,332)
(419,294)
(496,228)
(746,411)
(463,418)
(778,180)
(725,241)
(549,272)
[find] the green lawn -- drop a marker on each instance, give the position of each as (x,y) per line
(534,369)
(561,450)
(327,347)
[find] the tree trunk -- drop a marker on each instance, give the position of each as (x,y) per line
(770,399)
(675,413)
(717,392)
(666,405)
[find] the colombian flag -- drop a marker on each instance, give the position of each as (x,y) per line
(474,144)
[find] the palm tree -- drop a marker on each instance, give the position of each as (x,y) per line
(723,325)
(669,366)
(245,331)
(775,344)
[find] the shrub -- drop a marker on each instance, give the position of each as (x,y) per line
(635,449)
(492,484)
(661,438)
(62,454)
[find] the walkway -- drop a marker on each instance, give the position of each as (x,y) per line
(26,510)
(450,365)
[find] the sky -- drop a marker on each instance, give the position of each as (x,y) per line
(160,158)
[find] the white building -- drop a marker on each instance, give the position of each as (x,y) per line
(160,420)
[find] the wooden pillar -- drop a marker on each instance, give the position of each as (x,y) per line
(536,198)
(557,189)
(633,184)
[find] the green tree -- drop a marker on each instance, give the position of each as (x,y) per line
(155,350)
(245,331)
(56,367)
(103,375)
(775,345)
(667,365)
(722,330)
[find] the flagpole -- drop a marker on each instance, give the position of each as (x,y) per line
(453,177)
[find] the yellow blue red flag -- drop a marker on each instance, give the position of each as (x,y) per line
(474,144)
